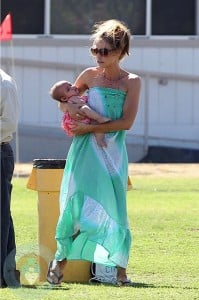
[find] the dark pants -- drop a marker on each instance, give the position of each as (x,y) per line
(8,245)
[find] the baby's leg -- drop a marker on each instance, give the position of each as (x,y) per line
(100,139)
(91,114)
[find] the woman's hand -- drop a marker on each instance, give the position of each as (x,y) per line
(79,128)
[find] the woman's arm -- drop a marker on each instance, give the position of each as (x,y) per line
(129,112)
(82,80)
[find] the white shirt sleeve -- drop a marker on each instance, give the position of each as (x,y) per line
(9,107)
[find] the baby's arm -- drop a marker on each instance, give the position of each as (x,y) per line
(77,100)
(91,114)
(87,111)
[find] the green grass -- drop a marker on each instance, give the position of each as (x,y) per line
(164,260)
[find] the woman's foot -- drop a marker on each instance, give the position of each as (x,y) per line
(55,272)
(122,279)
(125,282)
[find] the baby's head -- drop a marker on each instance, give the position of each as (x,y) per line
(63,90)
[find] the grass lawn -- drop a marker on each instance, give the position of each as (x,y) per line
(164,260)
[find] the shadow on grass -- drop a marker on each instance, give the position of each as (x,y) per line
(45,287)
(139,285)
(134,285)
(63,287)
(144,285)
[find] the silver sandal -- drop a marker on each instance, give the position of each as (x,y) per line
(54,276)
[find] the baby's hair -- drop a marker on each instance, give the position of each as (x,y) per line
(54,90)
(115,33)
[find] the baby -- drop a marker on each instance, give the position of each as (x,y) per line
(64,91)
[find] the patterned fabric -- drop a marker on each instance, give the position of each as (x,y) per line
(67,121)
(93,192)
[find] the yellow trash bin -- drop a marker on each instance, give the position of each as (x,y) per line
(46,178)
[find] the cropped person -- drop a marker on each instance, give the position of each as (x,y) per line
(9,113)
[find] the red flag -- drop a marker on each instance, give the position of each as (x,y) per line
(6,29)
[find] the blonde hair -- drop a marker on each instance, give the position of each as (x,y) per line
(115,33)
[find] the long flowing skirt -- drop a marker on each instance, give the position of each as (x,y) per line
(93,223)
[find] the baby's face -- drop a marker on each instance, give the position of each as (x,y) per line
(69,90)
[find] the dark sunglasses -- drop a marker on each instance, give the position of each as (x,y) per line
(101,51)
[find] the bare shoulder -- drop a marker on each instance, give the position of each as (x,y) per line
(85,80)
(88,77)
(90,71)
(134,77)
(134,81)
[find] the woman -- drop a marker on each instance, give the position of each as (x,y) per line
(93,222)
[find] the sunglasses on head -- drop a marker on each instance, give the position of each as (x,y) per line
(101,51)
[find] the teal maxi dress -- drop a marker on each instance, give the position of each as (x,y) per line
(93,192)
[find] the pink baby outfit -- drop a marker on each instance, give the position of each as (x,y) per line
(67,121)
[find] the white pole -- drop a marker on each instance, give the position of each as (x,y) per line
(197,17)
(146,114)
(148,18)
(47,17)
